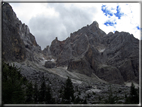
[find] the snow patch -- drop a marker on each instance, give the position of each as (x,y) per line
(53,60)
(129,84)
(65,68)
(43,61)
(101,50)
(93,90)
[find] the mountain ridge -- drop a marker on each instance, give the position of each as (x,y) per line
(108,49)
(96,62)
(113,57)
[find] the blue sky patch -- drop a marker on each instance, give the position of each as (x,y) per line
(118,13)
(110,23)
(106,11)
(138,27)
(109,12)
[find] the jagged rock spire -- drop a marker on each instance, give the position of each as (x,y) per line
(96,24)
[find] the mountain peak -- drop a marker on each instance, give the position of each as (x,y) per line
(95,23)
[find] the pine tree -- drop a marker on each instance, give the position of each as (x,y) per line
(48,96)
(42,91)
(68,94)
(12,85)
(85,102)
(35,93)
(29,93)
(133,98)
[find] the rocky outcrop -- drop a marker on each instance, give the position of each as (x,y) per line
(12,45)
(121,52)
(110,74)
(77,44)
(80,66)
(50,64)
(94,64)
(61,51)
(18,43)
(46,53)
(56,47)
(113,57)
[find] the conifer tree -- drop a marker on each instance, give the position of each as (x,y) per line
(68,94)
(35,93)
(12,81)
(42,91)
(48,95)
(133,98)
(29,93)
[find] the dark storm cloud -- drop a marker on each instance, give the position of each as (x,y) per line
(45,28)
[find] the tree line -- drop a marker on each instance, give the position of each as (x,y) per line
(16,89)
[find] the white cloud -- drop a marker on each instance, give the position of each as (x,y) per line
(25,11)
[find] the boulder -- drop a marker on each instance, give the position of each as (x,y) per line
(50,64)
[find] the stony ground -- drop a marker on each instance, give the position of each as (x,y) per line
(92,88)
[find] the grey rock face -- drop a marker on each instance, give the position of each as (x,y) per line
(56,47)
(110,74)
(80,66)
(77,44)
(113,57)
(47,53)
(123,53)
(12,45)
(18,43)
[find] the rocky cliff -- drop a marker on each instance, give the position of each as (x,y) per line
(18,44)
(87,54)
(113,57)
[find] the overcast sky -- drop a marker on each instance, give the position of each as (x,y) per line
(49,20)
